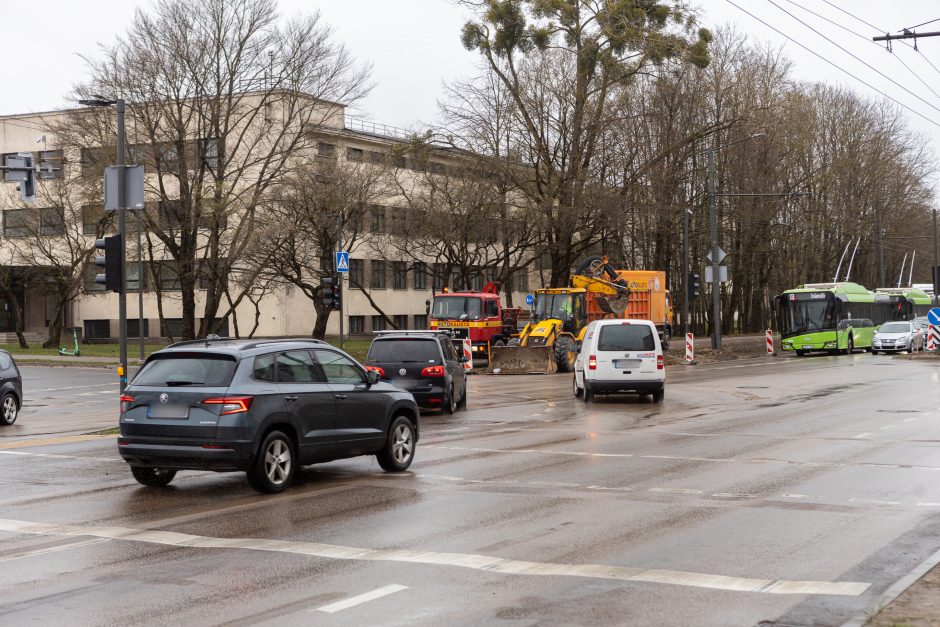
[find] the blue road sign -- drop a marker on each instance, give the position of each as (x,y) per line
(342,261)
(933,316)
(530,299)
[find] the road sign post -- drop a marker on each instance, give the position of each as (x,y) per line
(341,261)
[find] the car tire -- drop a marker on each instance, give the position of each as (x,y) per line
(499,343)
(462,403)
(273,468)
(667,337)
(658,395)
(800,353)
(9,409)
(450,405)
(153,477)
(578,392)
(399,449)
(588,393)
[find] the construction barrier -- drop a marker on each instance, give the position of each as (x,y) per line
(770,342)
(689,348)
(933,338)
(468,353)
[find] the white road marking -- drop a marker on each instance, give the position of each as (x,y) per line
(874,502)
(676,490)
(911,419)
(862,435)
(928,505)
(802,496)
(332,608)
(484,563)
(735,495)
(51,549)
(887,427)
(56,456)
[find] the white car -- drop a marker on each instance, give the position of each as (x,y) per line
(618,356)
(897,336)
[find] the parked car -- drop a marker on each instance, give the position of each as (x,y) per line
(901,335)
(11,389)
(263,407)
(620,356)
(924,325)
(424,363)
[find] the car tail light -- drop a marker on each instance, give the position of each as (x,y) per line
(592,362)
(231,404)
(376,369)
(660,364)
(126,400)
(433,371)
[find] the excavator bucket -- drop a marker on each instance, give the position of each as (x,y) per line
(522,360)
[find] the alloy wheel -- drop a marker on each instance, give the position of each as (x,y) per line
(277,461)
(402,445)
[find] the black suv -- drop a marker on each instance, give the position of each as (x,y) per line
(423,362)
(264,407)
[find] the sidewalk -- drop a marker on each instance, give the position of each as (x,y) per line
(917,606)
(71,360)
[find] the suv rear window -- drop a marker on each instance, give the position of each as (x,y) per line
(626,337)
(187,369)
(403,350)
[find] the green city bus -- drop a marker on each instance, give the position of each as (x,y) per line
(841,317)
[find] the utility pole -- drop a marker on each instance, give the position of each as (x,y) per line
(686,271)
(879,243)
(933,270)
(713,225)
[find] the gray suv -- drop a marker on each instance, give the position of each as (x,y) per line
(263,407)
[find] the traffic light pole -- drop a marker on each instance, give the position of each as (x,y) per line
(122,229)
(713,224)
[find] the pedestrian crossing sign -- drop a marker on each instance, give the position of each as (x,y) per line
(342,261)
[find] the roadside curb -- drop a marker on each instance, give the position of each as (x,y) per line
(892,593)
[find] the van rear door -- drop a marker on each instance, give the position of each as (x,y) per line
(625,349)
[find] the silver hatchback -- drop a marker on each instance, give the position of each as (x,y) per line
(897,336)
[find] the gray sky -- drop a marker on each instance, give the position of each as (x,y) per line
(414,47)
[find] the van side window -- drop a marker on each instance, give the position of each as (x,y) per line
(626,337)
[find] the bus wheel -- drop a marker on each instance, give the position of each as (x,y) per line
(850,348)
(800,353)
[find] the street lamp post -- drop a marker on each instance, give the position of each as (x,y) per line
(99,101)
(685,270)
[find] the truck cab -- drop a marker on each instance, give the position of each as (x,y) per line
(478,316)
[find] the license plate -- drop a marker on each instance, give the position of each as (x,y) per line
(168,411)
(627,364)
(807,346)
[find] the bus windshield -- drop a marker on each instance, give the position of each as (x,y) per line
(457,308)
(806,316)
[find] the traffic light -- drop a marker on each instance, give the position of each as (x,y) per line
(110,261)
(332,293)
(693,286)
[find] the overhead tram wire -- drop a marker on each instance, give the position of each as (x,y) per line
(838,67)
(879,30)
(859,59)
(924,24)
(867,39)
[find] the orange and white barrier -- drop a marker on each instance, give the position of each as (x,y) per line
(770,342)
(468,353)
(689,348)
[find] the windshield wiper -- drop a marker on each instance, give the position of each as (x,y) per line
(177,382)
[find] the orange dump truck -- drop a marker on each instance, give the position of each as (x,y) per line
(649,300)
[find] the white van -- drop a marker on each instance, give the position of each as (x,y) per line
(620,356)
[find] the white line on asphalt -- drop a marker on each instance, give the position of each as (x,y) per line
(911,419)
(928,505)
(874,502)
(675,490)
(361,598)
(54,456)
(51,549)
(736,495)
(485,563)
(886,427)
(802,496)
(601,487)
(862,435)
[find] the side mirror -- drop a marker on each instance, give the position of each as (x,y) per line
(462,359)
(372,377)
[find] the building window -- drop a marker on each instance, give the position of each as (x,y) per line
(420,276)
(167,155)
(398,161)
(97,329)
(94,159)
(377,158)
(378,323)
(209,152)
(169,276)
(401,321)
(439,275)
(15,223)
(54,159)
(52,221)
(172,327)
(399,275)
(378,218)
(326,151)
(421,321)
(95,220)
(438,168)
(354,154)
(357,324)
(378,275)
(133,284)
(356,272)
(522,280)
(476,280)
(133,323)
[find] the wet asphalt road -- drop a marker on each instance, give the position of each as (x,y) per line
(779,490)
